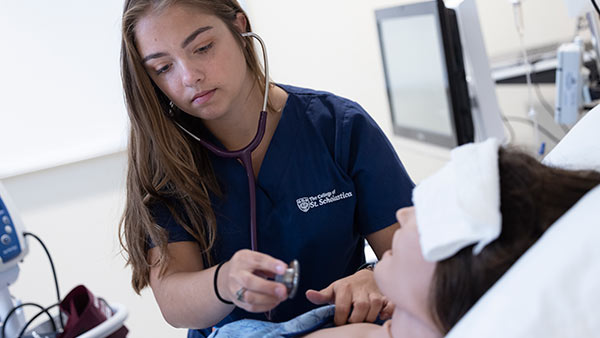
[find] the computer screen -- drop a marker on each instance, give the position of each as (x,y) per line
(424,72)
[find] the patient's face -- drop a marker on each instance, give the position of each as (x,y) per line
(403,275)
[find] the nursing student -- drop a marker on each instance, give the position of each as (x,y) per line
(326,177)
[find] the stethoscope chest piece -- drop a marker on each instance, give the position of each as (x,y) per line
(290,278)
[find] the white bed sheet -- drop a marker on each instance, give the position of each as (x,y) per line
(580,148)
(553,290)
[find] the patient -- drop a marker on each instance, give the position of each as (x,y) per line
(471,221)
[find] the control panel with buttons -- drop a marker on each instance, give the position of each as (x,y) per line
(12,244)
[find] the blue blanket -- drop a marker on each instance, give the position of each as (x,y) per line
(308,322)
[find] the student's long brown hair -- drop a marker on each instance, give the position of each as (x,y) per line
(532,197)
(166,165)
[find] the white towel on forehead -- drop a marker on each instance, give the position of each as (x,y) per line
(460,204)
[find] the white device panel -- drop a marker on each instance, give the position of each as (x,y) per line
(13,246)
(569,83)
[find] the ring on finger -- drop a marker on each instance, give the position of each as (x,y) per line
(240,294)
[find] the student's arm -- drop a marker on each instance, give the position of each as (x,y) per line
(381,241)
(185,293)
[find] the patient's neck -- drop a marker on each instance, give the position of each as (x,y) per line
(405,324)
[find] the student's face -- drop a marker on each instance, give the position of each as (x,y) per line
(194,59)
(402,274)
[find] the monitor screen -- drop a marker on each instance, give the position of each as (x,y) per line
(428,98)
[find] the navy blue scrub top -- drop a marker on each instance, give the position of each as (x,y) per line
(329,178)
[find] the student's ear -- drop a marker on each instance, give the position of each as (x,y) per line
(241,23)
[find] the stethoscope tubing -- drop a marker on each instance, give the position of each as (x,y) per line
(245,154)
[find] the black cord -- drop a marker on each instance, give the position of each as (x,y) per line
(62,325)
(14,310)
(547,106)
(39,314)
(596,6)
(528,121)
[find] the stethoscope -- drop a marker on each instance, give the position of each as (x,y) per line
(291,276)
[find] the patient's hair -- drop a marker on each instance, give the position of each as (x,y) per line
(532,197)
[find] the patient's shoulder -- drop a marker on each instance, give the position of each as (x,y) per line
(358,330)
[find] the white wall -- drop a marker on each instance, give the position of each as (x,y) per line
(333,45)
(75,210)
(330,45)
(60,84)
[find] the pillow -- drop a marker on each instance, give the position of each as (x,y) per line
(553,290)
(580,148)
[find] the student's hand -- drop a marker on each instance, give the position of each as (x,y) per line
(244,281)
(357,294)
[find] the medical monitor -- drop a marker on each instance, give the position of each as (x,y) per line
(424,72)
(427,64)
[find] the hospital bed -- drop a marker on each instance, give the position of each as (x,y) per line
(553,290)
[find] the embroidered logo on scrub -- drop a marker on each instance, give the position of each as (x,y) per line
(307,203)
